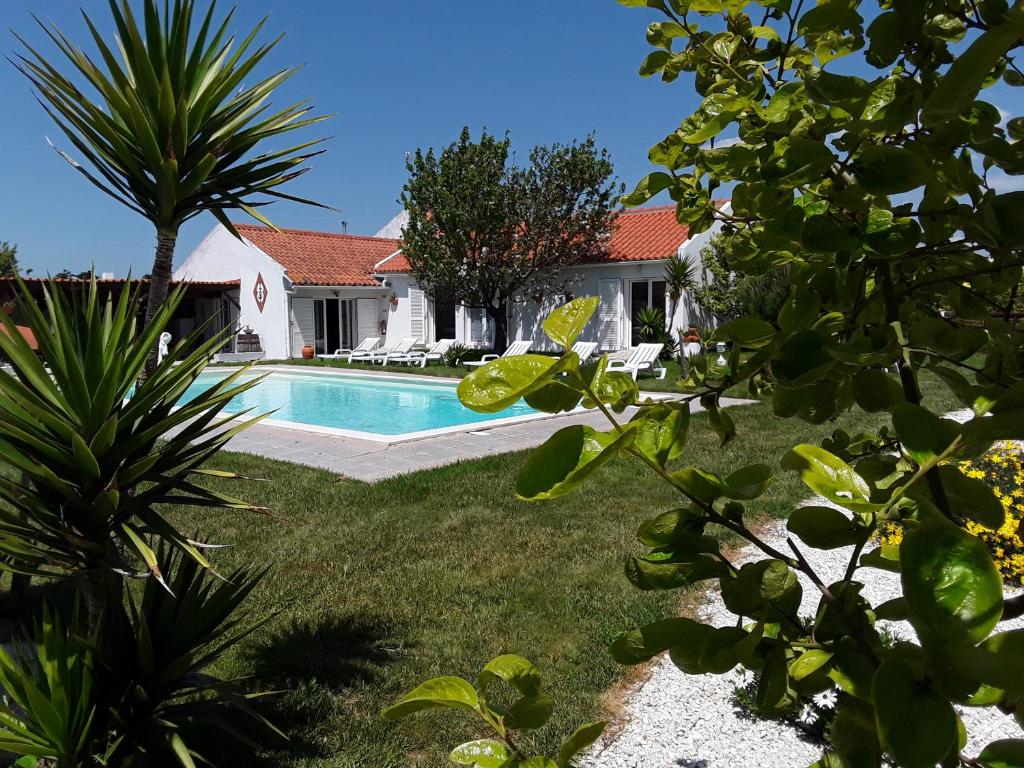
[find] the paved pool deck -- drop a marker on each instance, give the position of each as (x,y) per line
(371,461)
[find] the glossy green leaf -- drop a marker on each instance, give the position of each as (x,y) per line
(876,390)
(447,691)
(671,571)
(829,476)
(522,674)
(642,644)
(661,431)
(924,435)
(887,170)
(1004,753)
(917,726)
(823,527)
(564,325)
(954,591)
(483,753)
(566,459)
(750,332)
(808,662)
(580,739)
(500,383)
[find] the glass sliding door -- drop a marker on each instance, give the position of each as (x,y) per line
(644,294)
(333,324)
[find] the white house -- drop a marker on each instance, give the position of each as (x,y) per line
(330,291)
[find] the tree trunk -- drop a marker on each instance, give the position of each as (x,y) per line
(159,282)
(500,319)
(102,590)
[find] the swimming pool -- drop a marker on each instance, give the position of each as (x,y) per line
(382,408)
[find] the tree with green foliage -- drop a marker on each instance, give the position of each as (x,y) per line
(875,190)
(168,125)
(727,294)
(8,259)
(484,232)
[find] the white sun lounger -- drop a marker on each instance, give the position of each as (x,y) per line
(437,352)
(363,347)
(584,350)
(644,357)
(384,354)
(514,349)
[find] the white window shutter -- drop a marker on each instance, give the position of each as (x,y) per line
(609,314)
(367,319)
(417,311)
(302,325)
(476,325)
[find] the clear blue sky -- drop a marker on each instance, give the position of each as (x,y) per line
(397,75)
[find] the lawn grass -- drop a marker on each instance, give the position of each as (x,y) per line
(382,586)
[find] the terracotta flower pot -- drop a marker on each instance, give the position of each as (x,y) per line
(307,352)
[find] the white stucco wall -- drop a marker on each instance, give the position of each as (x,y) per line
(221,257)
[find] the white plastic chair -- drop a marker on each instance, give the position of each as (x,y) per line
(436,352)
(384,354)
(364,346)
(584,350)
(514,349)
(643,358)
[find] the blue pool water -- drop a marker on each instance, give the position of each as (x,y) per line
(384,406)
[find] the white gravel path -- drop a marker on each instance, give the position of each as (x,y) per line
(674,720)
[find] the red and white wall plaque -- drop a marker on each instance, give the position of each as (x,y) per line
(259,292)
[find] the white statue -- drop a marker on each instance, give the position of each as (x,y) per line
(164,346)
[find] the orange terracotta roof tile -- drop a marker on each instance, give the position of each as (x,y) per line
(641,234)
(322,258)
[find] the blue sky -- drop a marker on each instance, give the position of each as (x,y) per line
(397,75)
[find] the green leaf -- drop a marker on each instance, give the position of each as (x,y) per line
(766,589)
(876,390)
(923,435)
(649,186)
(823,528)
(580,739)
(750,332)
(672,526)
(565,324)
(808,662)
(522,674)
(773,693)
(886,170)
(483,753)
(500,383)
(953,589)
(672,570)
(960,84)
(827,234)
(1005,753)
(661,431)
(566,459)
(643,644)
(451,692)
(829,476)
(917,726)
(529,712)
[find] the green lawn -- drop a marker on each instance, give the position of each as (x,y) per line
(381,586)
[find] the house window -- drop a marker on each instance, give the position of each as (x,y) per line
(644,294)
(334,323)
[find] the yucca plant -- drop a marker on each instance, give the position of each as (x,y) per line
(171,128)
(48,681)
(98,460)
(680,275)
(159,672)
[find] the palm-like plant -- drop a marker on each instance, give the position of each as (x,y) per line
(173,129)
(98,457)
(680,275)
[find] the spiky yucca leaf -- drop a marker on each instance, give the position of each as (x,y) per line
(167,121)
(96,456)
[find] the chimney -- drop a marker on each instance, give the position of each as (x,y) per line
(344,227)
